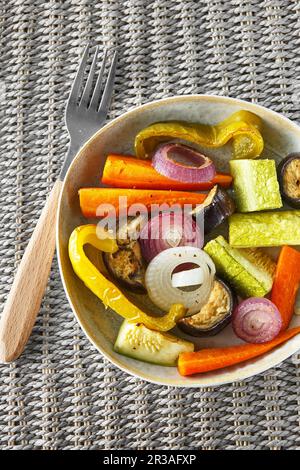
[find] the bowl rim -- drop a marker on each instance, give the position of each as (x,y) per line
(183,382)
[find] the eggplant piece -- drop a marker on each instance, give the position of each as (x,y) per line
(288,172)
(127,264)
(214,315)
(217,206)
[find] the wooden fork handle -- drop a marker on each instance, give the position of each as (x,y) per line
(26,294)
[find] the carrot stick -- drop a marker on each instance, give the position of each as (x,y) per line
(129,172)
(92,198)
(206,360)
(286,283)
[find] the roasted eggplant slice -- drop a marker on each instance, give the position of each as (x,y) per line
(217,206)
(214,315)
(288,172)
(127,264)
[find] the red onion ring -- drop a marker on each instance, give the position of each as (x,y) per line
(203,171)
(169,230)
(256,320)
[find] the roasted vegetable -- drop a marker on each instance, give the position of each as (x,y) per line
(256,320)
(98,202)
(167,230)
(286,283)
(158,278)
(136,341)
(182,163)
(106,290)
(264,229)
(126,265)
(242,127)
(214,315)
(289,179)
(124,171)
(249,272)
(255,185)
(207,360)
(217,206)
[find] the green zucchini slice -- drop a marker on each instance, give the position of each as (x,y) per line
(249,272)
(264,229)
(255,185)
(136,341)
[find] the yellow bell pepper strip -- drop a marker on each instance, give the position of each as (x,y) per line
(106,290)
(242,127)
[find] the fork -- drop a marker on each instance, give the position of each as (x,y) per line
(86,112)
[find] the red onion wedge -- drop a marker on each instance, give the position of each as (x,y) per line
(168,230)
(256,320)
(182,163)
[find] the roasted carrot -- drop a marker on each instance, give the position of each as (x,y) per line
(129,172)
(286,283)
(206,360)
(94,202)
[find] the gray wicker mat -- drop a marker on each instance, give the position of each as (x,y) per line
(62,394)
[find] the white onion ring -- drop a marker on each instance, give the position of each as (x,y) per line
(191,277)
(158,278)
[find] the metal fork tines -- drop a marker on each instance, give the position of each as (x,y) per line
(88,105)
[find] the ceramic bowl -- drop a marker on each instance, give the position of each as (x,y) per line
(100,325)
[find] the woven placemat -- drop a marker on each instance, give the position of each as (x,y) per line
(62,394)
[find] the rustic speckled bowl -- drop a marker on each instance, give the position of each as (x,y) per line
(100,325)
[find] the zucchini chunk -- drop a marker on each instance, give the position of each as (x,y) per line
(136,341)
(255,185)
